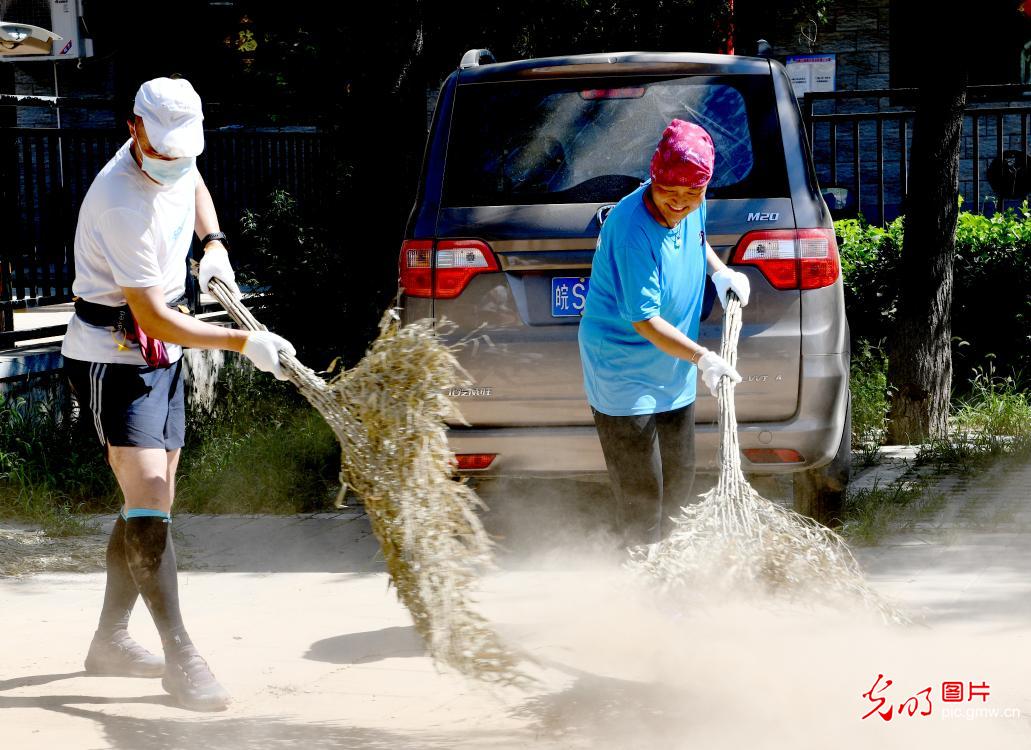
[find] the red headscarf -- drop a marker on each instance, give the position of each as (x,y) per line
(684,156)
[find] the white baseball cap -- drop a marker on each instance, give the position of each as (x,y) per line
(171,112)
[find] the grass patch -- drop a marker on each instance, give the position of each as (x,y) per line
(870,513)
(49,473)
(256,447)
(992,420)
(868,383)
(997,407)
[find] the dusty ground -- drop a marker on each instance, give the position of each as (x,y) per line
(296,618)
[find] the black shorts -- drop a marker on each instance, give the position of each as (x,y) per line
(131,405)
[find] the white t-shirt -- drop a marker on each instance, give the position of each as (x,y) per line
(131,232)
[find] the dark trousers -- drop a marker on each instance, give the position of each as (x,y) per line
(650,460)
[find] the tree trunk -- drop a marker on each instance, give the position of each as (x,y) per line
(920,361)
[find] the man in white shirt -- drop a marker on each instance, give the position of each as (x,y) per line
(123,357)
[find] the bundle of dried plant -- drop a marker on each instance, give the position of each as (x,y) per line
(388,413)
(734,540)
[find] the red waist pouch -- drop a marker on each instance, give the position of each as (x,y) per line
(153,350)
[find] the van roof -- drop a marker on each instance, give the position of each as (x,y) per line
(616,63)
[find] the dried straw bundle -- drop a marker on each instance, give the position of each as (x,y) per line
(388,414)
(25,551)
(735,540)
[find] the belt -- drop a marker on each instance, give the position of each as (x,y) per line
(118,317)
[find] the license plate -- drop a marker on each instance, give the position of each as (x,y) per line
(568,295)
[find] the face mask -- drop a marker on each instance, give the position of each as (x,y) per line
(166,172)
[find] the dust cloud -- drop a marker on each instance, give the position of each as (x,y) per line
(620,667)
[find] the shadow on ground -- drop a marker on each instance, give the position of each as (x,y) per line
(214,733)
(369,646)
(601,711)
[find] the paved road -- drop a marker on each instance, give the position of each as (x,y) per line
(297,619)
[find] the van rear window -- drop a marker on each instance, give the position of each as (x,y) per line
(591,140)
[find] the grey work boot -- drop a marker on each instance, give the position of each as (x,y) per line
(189,680)
(118,655)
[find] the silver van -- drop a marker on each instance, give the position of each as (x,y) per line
(522,162)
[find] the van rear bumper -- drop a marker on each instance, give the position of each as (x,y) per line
(815,432)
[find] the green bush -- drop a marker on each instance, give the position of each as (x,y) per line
(991,308)
(869,268)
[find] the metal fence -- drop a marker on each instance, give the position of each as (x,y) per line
(861,155)
(45,173)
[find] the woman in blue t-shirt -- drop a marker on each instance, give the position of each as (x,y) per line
(638,336)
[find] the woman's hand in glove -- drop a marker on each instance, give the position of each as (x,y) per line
(713,367)
(736,281)
(263,347)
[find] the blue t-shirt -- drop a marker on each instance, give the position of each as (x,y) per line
(641,269)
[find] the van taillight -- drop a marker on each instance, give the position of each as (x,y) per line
(474,461)
(457,261)
(791,258)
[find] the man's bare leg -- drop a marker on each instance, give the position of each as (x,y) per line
(143,475)
(171,466)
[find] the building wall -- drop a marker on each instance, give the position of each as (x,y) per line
(94,79)
(859,34)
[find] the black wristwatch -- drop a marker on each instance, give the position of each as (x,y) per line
(220,236)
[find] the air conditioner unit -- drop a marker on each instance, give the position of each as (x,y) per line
(24,25)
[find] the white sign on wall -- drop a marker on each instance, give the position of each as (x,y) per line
(811,73)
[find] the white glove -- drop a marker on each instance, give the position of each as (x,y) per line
(263,347)
(736,281)
(215,265)
(713,367)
